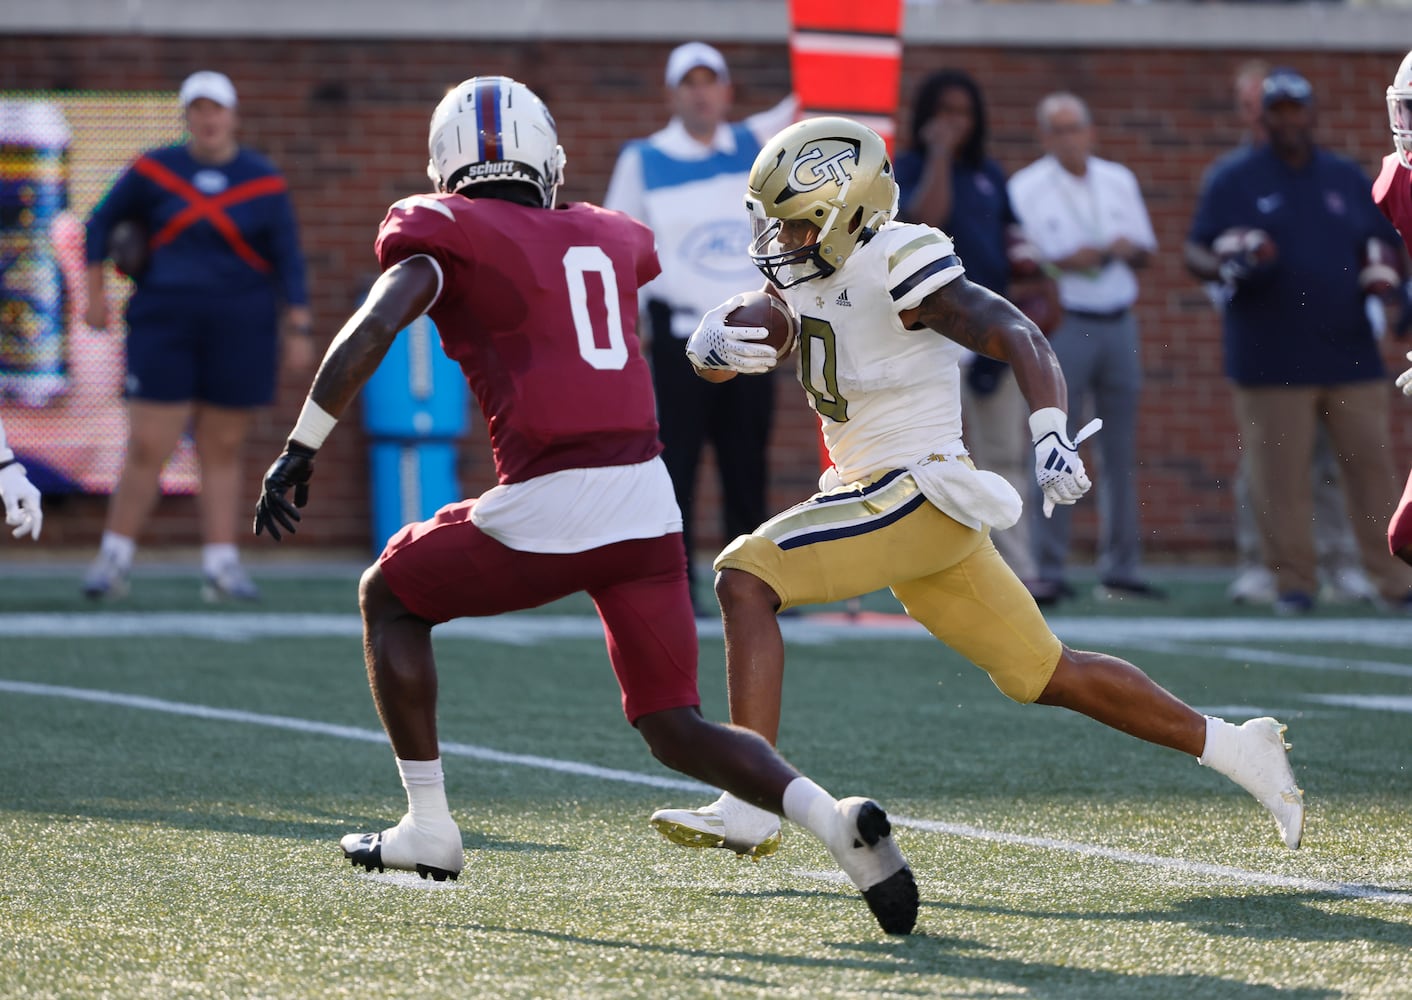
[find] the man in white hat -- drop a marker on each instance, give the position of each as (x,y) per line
(685,183)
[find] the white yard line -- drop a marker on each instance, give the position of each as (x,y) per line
(1214,635)
(1353,890)
(1280,658)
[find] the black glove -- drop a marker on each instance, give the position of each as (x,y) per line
(983,374)
(273,511)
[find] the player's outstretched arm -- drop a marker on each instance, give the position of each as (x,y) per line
(400,295)
(977,318)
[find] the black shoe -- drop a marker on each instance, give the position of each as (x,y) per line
(1294,603)
(1129,588)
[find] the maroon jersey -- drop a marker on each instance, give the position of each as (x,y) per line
(1392,192)
(539,308)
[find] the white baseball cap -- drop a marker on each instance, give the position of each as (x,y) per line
(208,84)
(685,58)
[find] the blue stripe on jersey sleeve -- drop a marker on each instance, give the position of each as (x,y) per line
(936,266)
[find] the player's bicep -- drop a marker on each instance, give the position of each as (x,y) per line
(406,290)
(968,313)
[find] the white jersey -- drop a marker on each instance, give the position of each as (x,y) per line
(887,397)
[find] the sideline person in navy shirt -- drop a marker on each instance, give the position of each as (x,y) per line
(946,180)
(1286,226)
(203,324)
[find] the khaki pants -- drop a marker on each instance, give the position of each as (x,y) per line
(1277,429)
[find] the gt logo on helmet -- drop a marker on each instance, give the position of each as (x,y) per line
(806,176)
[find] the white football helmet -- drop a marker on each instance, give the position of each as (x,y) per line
(831,172)
(493,128)
(1399,110)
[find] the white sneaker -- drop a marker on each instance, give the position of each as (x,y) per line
(1349,585)
(435,854)
(865,850)
(106,577)
(1255,585)
(229,583)
(1261,767)
(728,822)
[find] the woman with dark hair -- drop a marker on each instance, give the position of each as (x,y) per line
(946,180)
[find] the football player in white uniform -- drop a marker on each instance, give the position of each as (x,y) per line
(885,310)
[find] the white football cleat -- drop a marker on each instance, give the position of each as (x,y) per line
(435,854)
(864,849)
(728,822)
(1260,765)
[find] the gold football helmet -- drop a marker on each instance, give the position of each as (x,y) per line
(832,173)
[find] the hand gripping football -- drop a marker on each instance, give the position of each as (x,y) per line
(763,309)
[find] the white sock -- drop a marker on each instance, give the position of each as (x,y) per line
(120,547)
(216,556)
(1220,752)
(811,807)
(426,792)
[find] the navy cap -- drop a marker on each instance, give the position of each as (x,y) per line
(1285,84)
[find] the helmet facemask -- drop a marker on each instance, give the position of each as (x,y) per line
(1399,111)
(831,173)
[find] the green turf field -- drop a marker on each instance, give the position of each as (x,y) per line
(176,779)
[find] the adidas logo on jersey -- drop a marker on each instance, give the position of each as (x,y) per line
(842,299)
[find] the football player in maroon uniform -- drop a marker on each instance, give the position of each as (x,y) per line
(1392,192)
(538,305)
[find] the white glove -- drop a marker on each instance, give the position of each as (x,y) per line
(1404,381)
(1057,465)
(714,346)
(21,501)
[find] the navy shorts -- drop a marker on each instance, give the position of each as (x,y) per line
(221,349)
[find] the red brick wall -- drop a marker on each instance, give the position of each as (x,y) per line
(347,123)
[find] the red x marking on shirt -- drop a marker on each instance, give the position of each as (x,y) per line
(209,207)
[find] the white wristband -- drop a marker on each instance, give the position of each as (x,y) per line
(1049,420)
(313,426)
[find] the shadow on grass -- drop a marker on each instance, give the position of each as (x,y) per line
(1272,916)
(914,964)
(319,831)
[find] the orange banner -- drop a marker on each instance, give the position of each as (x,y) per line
(846,59)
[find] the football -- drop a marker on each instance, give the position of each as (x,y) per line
(127,247)
(763,309)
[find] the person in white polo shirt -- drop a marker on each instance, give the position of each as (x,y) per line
(685,182)
(1086,219)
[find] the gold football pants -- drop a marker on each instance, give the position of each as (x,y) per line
(884,533)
